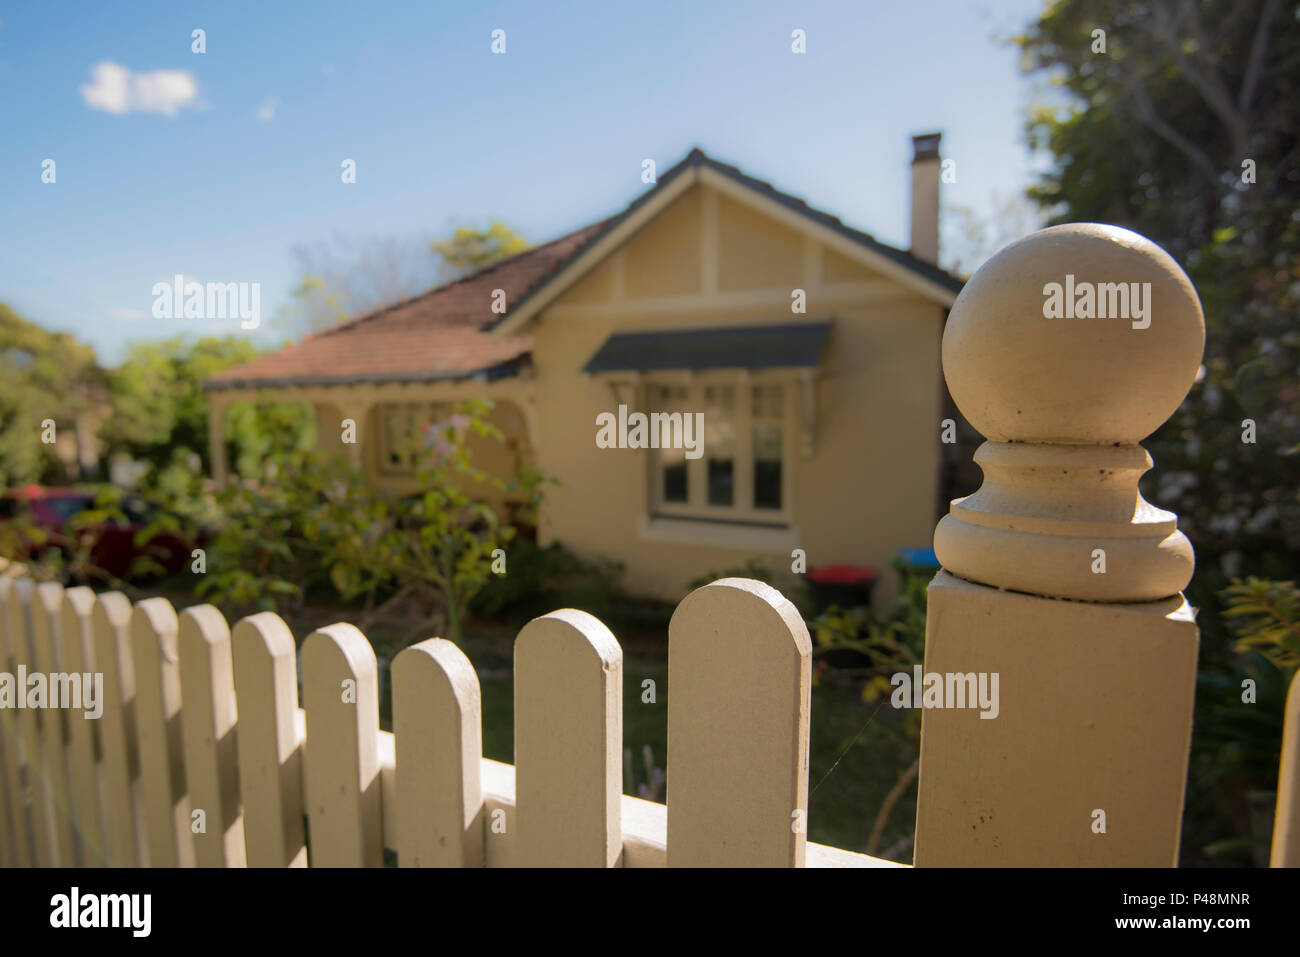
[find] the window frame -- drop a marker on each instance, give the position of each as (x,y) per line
(742,511)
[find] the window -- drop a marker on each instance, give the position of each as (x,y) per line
(720,443)
(767,416)
(402,427)
(672,474)
(739,473)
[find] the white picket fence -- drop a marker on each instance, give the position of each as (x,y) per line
(201,717)
(1057,576)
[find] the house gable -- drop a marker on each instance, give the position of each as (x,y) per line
(709,230)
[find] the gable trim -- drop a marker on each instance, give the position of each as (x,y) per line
(673,185)
(699,169)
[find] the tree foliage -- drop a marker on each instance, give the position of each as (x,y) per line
(1186,128)
(160,412)
(469,250)
(1161,134)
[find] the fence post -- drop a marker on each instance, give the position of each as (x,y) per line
(1285,851)
(209,733)
(158,726)
(740,687)
(438,731)
(568,742)
(270,756)
(340,692)
(1060,596)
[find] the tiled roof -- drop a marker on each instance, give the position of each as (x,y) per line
(438,335)
(446,332)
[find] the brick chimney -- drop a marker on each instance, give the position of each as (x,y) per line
(925,196)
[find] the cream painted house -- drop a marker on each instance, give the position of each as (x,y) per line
(811,349)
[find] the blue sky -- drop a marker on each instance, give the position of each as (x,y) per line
(216,165)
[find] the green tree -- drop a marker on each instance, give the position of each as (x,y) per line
(43,375)
(470,250)
(1186,128)
(160,412)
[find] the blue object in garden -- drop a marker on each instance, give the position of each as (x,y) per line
(920,558)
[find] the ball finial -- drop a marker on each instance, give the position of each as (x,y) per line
(1080,334)
(1065,350)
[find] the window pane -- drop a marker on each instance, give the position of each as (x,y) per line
(393,429)
(672,469)
(768,402)
(767,465)
(720,443)
(675,483)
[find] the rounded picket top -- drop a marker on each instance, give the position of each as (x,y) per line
(155,618)
(201,626)
(49,597)
(568,741)
(755,601)
(264,659)
(112,611)
(438,748)
(1028,356)
(339,649)
(740,674)
(340,694)
(78,602)
(263,636)
(438,663)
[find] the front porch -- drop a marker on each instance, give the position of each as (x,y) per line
(371,424)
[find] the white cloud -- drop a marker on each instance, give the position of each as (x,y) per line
(115,89)
(130,315)
(266,112)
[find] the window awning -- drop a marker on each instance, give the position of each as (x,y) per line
(728,347)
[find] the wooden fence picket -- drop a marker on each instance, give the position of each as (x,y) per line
(340,680)
(85,771)
(22,600)
(208,726)
(17,852)
(438,727)
(740,680)
(110,625)
(158,727)
(568,742)
(47,603)
(269,750)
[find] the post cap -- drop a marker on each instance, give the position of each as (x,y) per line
(1081,334)
(1065,350)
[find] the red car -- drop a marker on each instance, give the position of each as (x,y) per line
(113,549)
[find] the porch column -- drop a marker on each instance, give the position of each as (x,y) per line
(217,405)
(1059,608)
(357,409)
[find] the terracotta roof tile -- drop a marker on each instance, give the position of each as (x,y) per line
(437,335)
(444,333)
